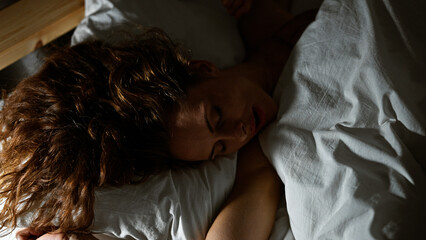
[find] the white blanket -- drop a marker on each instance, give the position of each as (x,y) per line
(349,142)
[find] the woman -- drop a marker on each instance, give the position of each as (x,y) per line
(98,114)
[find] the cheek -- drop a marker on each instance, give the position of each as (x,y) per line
(235,96)
(270,107)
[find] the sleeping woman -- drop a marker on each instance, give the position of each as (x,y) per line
(99,114)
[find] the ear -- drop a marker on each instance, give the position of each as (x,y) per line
(203,67)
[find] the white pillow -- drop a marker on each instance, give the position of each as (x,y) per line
(175,204)
(203,26)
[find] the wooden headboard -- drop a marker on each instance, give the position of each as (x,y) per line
(29,24)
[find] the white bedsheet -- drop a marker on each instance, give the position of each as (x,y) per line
(349,142)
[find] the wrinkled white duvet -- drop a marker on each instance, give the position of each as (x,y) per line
(350,142)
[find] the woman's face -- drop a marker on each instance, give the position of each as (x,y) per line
(220,115)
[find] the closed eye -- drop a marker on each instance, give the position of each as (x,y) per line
(212,154)
(219,147)
(222,147)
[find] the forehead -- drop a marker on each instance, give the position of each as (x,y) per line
(189,137)
(208,87)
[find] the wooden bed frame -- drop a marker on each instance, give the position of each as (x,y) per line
(29,24)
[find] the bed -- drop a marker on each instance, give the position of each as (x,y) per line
(349,141)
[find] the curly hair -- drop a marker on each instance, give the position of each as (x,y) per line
(95,114)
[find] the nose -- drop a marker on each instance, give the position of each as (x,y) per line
(238,131)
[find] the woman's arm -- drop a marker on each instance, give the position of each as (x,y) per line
(250,211)
(270,34)
(262,22)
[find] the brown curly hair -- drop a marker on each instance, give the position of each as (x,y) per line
(95,114)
